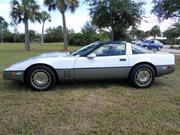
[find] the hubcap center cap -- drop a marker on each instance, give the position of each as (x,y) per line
(40,78)
(143,76)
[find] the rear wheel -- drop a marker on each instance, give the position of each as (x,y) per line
(142,76)
(158,48)
(41,78)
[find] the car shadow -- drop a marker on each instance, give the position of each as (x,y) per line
(76,85)
(67,85)
(93,84)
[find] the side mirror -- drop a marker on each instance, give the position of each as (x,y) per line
(91,56)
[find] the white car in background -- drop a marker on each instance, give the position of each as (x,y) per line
(99,60)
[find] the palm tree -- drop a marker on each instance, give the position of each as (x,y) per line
(44,17)
(62,6)
(134,32)
(23,11)
(155,31)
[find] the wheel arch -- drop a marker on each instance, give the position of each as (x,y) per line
(148,63)
(42,64)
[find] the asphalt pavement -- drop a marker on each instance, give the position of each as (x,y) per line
(169,50)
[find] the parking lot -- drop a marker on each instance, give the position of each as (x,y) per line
(167,48)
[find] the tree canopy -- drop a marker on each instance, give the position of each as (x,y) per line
(139,34)
(54,34)
(89,28)
(44,16)
(3,27)
(173,32)
(155,31)
(115,15)
(165,9)
(21,10)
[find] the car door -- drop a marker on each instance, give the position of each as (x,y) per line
(110,61)
(153,45)
(158,44)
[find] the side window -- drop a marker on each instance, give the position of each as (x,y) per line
(157,42)
(152,42)
(111,50)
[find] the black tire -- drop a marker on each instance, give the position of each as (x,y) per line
(41,78)
(158,48)
(146,71)
(146,47)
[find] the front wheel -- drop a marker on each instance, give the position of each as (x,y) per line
(41,78)
(142,76)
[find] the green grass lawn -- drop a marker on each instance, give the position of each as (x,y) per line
(86,108)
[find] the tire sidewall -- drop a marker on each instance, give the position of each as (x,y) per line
(45,69)
(135,70)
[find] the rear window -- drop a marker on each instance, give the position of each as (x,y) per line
(139,50)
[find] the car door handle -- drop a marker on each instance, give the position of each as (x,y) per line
(122,59)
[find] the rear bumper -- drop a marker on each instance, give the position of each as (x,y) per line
(165,69)
(13,75)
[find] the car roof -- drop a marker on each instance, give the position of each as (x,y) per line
(109,42)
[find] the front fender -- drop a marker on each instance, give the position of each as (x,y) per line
(56,63)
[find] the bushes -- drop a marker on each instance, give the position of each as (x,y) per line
(19,37)
(51,38)
(80,39)
(54,34)
(170,41)
(11,37)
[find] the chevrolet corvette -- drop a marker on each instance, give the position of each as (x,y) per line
(97,61)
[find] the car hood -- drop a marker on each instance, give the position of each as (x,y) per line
(49,55)
(42,58)
(53,54)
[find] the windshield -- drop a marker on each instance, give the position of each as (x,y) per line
(85,50)
(139,50)
(146,41)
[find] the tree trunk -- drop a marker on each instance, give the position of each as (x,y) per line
(27,45)
(113,34)
(42,35)
(133,36)
(14,38)
(118,35)
(1,33)
(64,31)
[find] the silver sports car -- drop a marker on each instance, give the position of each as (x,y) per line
(99,60)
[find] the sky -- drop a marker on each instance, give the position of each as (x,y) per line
(77,20)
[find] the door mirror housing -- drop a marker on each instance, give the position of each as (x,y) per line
(91,56)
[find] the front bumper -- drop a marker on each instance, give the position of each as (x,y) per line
(165,69)
(13,75)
